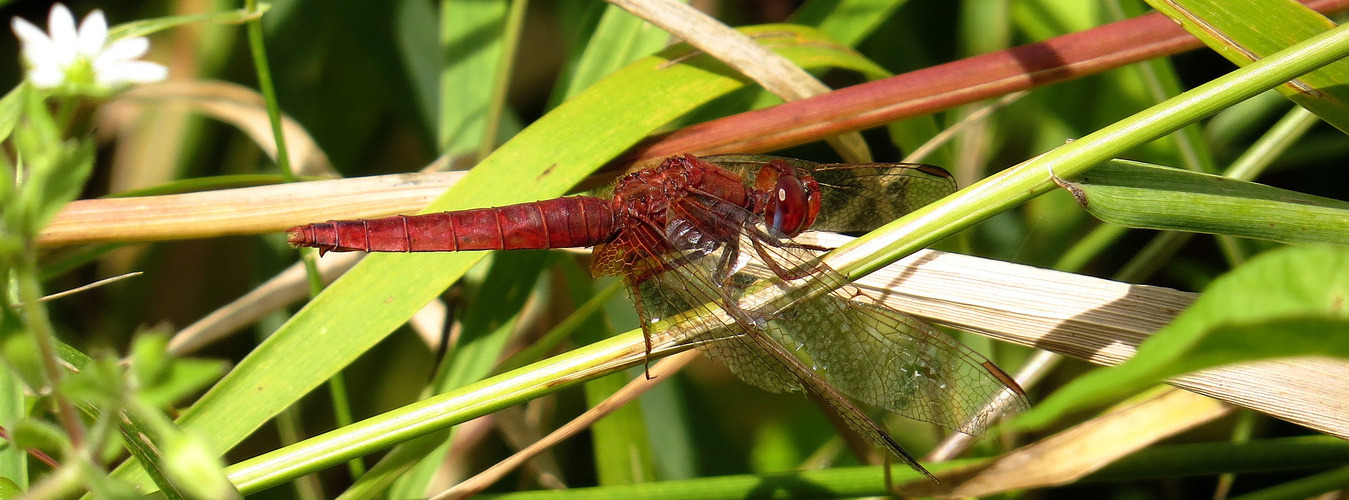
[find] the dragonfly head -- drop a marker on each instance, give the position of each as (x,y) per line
(791,197)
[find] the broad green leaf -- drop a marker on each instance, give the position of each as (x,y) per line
(543,161)
(1288,302)
(1147,196)
(471,44)
(1227,28)
(619,39)
(419,50)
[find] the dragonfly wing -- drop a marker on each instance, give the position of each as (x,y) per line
(751,346)
(886,358)
(862,197)
(672,294)
(675,296)
(857,196)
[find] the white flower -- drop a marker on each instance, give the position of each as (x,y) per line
(82,61)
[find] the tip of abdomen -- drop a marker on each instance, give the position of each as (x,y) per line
(297,238)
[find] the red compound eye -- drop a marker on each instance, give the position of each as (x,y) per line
(787,209)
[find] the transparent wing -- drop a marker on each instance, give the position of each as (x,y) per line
(889,359)
(858,196)
(736,337)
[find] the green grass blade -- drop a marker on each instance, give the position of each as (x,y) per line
(1141,195)
(1226,27)
(488,324)
(848,21)
(622,452)
(1284,454)
(619,39)
(470,39)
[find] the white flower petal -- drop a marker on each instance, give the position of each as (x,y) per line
(131,72)
(125,49)
(37,47)
(93,34)
(46,77)
(61,25)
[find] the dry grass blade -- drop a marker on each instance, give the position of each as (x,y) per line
(1100,321)
(239,106)
(91,286)
(775,73)
(1069,455)
(286,288)
(253,210)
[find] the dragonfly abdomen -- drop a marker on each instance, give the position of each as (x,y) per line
(575,221)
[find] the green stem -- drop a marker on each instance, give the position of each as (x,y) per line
(501,80)
(39,324)
(259,51)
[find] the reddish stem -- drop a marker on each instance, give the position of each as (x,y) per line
(36,453)
(933,89)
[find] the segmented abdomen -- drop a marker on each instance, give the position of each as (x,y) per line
(575,221)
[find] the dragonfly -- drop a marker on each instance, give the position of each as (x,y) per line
(706,248)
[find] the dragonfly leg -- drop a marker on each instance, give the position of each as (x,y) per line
(772,263)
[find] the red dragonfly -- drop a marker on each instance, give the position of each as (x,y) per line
(711,239)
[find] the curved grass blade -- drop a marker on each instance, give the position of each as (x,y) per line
(1226,27)
(1142,195)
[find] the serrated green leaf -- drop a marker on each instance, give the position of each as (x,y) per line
(1288,302)
(1141,195)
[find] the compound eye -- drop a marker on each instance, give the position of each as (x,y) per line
(787,208)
